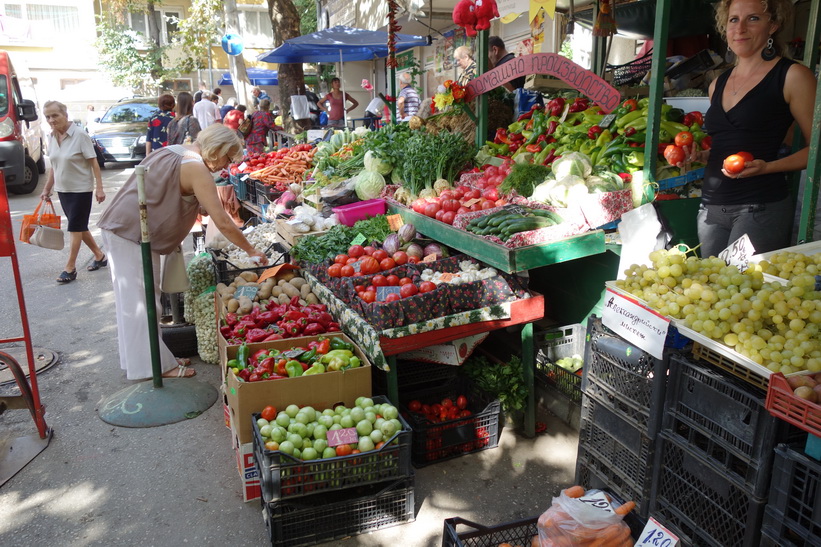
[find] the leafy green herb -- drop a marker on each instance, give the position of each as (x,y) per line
(314,249)
(504,381)
(523,178)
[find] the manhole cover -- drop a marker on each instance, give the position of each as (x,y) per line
(43,359)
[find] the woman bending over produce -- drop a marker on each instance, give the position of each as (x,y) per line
(178,182)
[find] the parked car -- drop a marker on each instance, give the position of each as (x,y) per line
(21,139)
(120,134)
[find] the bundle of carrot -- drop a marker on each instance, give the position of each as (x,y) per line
(286,166)
(557,528)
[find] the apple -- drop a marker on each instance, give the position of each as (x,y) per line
(807,393)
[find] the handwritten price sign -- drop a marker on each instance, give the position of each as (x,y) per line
(738,253)
(342,436)
(656,535)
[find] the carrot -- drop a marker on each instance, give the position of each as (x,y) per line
(575,492)
(534,542)
(612,535)
(625,508)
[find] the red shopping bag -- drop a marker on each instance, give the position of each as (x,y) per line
(48,217)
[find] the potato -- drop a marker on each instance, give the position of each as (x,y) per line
(265,289)
(249,276)
(302,302)
(283,299)
(305,290)
(298,282)
(232,305)
(290,290)
(312,299)
(276,291)
(807,393)
(239,282)
(245,305)
(286,276)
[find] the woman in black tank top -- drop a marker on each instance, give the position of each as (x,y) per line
(752,106)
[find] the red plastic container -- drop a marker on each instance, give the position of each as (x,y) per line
(782,403)
(349,214)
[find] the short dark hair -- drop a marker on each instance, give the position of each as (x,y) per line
(336,80)
(217,91)
(166,102)
(495,41)
(242,107)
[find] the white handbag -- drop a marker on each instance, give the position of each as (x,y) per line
(48,238)
(173,277)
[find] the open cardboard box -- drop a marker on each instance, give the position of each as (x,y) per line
(319,390)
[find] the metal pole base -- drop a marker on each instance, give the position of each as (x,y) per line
(15,454)
(143,405)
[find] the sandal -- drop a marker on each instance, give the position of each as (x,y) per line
(183,361)
(97,264)
(67,277)
(180,372)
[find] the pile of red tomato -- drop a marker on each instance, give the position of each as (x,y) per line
(492,177)
(407,288)
(462,199)
(448,409)
(371,260)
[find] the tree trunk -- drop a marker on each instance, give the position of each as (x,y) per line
(154,38)
(236,63)
(285,22)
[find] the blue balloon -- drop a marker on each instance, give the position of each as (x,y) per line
(232,44)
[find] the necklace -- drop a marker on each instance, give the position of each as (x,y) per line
(744,81)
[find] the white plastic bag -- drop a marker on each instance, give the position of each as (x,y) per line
(586,520)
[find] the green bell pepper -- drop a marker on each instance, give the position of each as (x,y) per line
(316,368)
(338,343)
(336,353)
(353,362)
(308,356)
(294,368)
(604,137)
(636,158)
(233,363)
(242,354)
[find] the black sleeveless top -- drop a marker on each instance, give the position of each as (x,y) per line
(758,125)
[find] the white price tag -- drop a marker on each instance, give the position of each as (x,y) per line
(738,253)
(597,499)
(656,535)
(242,166)
(636,323)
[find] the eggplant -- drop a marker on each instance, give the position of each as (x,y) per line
(407,232)
(414,249)
(391,244)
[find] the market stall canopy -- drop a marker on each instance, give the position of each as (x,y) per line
(637,20)
(340,43)
(256,76)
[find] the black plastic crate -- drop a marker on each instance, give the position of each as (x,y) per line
(437,442)
(250,189)
(698,501)
(335,515)
(414,375)
(794,510)
(226,270)
(723,420)
(777,531)
(699,62)
(627,378)
(266,193)
(632,72)
(556,344)
(594,472)
(283,477)
(519,532)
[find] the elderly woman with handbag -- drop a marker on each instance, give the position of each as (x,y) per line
(74,170)
(178,181)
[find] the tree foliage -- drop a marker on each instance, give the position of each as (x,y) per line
(307,15)
(197,33)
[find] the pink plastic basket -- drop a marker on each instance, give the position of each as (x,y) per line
(349,214)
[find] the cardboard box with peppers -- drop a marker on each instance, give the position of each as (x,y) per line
(615,141)
(321,355)
(277,321)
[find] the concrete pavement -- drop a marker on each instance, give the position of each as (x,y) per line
(99,485)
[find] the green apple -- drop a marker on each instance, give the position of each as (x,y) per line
(337,418)
(307,443)
(339,409)
(328,412)
(378,423)
(358,401)
(371,417)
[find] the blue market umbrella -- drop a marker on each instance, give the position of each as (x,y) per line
(256,76)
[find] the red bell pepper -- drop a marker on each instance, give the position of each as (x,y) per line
(280,367)
(274,336)
(707,142)
(312,329)
(225,331)
(266,365)
(294,304)
(290,329)
(244,374)
(323,347)
(555,106)
(231,319)
(594,132)
(501,136)
(267,318)
(629,132)
(293,315)
(259,355)
(626,178)
(579,105)
(254,377)
(256,335)
(630,105)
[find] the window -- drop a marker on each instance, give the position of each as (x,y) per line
(177,86)
(129,113)
(46,20)
(256,27)
(166,18)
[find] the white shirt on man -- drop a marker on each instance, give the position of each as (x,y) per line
(206,113)
(69,159)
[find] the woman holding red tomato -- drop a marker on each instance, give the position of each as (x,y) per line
(752,107)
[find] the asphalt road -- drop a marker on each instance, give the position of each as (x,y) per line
(99,485)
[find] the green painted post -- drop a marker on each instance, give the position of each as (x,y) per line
(529,365)
(392,73)
(809,200)
(481,68)
(656,91)
(393,380)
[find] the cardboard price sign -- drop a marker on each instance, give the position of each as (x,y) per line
(383,292)
(471,202)
(607,120)
(337,437)
(430,258)
(246,290)
(738,253)
(359,239)
(395,222)
(656,535)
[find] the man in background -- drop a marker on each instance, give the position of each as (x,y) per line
(259,95)
(198,94)
(218,93)
(206,110)
(407,104)
(498,55)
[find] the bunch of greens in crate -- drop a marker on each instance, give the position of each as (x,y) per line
(315,249)
(504,381)
(388,143)
(341,166)
(429,159)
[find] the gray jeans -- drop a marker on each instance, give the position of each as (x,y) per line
(767,225)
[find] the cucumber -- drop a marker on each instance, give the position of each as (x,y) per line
(548,214)
(496,221)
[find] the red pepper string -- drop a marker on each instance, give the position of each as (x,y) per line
(393,28)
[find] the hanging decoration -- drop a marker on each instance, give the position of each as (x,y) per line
(393,28)
(474,15)
(605,22)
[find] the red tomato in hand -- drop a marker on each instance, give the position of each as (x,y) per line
(400,257)
(684,138)
(673,154)
(408,289)
(427,286)
(734,164)
(746,155)
(356,251)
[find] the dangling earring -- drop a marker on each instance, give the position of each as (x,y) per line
(768,53)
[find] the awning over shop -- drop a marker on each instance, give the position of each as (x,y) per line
(340,43)
(256,76)
(637,20)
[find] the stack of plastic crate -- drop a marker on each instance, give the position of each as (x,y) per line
(792,517)
(623,394)
(715,457)
(316,501)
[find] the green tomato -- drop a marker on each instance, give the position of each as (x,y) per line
(287,447)
(307,443)
(262,422)
(320,432)
(326,421)
(292,411)
(283,419)
(328,453)
(309,454)
(265,430)
(390,412)
(378,423)
(337,419)
(365,444)
(339,409)
(365,402)
(309,410)
(397,424)
(302,417)
(335,427)
(320,445)
(328,412)
(311,427)
(364,427)
(376,436)
(297,453)
(347,421)
(294,439)
(388,429)
(357,414)
(371,417)
(278,434)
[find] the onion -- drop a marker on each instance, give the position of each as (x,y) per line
(391,244)
(433,249)
(414,249)
(407,232)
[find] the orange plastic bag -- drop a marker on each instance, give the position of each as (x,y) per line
(48,217)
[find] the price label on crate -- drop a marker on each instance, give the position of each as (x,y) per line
(635,322)
(342,436)
(471,202)
(515,209)
(383,292)
(606,121)
(395,222)
(656,535)
(597,499)
(447,277)
(246,290)
(359,239)
(738,253)
(430,258)
(242,166)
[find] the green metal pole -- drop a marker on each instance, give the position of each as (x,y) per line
(806,223)
(148,279)
(529,364)
(393,94)
(656,92)
(481,103)
(393,380)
